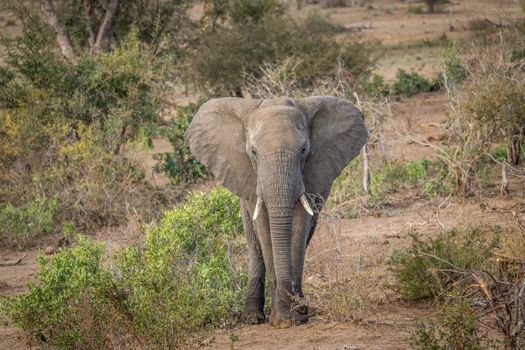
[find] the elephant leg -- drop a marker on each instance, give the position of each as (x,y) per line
(254,305)
(304,228)
(262,227)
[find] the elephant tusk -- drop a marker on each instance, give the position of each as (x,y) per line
(306,205)
(257,208)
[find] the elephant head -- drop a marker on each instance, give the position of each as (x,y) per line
(273,151)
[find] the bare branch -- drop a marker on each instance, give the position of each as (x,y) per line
(62,35)
(105,33)
(14,262)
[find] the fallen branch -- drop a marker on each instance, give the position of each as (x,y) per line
(14,262)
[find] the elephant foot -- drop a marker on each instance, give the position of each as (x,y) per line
(293,317)
(252,316)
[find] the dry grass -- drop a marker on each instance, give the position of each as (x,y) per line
(343,281)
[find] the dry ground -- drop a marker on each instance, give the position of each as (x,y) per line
(363,243)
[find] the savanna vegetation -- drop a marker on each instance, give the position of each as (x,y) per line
(83,91)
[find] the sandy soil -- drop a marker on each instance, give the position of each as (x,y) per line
(385,326)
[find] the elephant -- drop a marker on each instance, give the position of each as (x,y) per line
(280,156)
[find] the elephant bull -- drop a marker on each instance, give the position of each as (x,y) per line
(272,153)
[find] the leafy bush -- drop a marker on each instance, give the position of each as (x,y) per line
(223,58)
(376,87)
(388,178)
(65,127)
(19,224)
(385,179)
(180,165)
(67,307)
(453,69)
(426,267)
(415,9)
(408,84)
(184,278)
(455,329)
(242,11)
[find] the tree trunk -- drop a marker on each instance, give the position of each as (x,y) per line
(91,22)
(514,145)
(105,33)
(64,42)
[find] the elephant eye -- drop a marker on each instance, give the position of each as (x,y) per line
(254,153)
(303,150)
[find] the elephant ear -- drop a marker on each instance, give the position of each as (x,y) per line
(337,133)
(216,137)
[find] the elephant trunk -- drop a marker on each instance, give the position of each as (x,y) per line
(280,186)
(281,223)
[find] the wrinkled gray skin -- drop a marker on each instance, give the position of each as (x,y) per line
(277,150)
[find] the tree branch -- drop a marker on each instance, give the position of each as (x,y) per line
(105,33)
(62,35)
(91,21)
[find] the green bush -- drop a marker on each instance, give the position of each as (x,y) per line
(67,306)
(385,179)
(376,87)
(453,70)
(415,9)
(185,277)
(19,224)
(180,165)
(455,329)
(391,176)
(408,84)
(223,58)
(241,11)
(66,126)
(430,266)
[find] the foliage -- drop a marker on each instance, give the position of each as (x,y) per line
(67,306)
(386,178)
(415,9)
(376,87)
(64,127)
(408,84)
(453,69)
(180,165)
(455,329)
(494,100)
(184,278)
(19,224)
(426,268)
(311,43)
(241,11)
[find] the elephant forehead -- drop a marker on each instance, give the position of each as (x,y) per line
(276,117)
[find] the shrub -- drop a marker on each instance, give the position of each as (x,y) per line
(494,100)
(180,165)
(388,178)
(66,307)
(376,87)
(19,224)
(242,11)
(184,278)
(415,9)
(408,84)
(453,69)
(430,266)
(271,41)
(455,329)
(385,179)
(66,126)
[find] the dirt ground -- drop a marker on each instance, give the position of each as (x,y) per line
(367,238)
